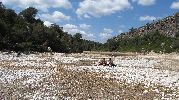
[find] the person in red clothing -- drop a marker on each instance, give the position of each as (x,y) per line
(103,62)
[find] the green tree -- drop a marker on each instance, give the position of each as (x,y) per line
(77,42)
(112,44)
(23,32)
(29,14)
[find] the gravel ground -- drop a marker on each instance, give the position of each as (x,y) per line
(76,76)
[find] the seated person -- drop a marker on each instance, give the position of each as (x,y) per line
(110,62)
(103,62)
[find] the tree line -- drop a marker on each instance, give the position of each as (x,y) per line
(23,32)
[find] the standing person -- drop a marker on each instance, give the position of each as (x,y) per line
(49,50)
(110,63)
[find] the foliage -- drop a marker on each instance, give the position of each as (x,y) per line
(153,41)
(23,32)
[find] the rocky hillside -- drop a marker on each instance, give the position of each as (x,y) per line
(168,26)
(158,36)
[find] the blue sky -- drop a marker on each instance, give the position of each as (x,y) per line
(97,20)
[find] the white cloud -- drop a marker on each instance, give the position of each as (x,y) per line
(42,5)
(55,17)
(47,23)
(148,18)
(73,29)
(86,16)
(145,2)
(101,37)
(105,35)
(98,8)
(90,36)
(107,30)
(175,5)
(70,26)
(120,31)
(85,26)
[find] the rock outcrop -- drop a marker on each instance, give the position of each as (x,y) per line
(168,26)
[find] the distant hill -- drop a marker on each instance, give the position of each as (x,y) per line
(168,26)
(158,36)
